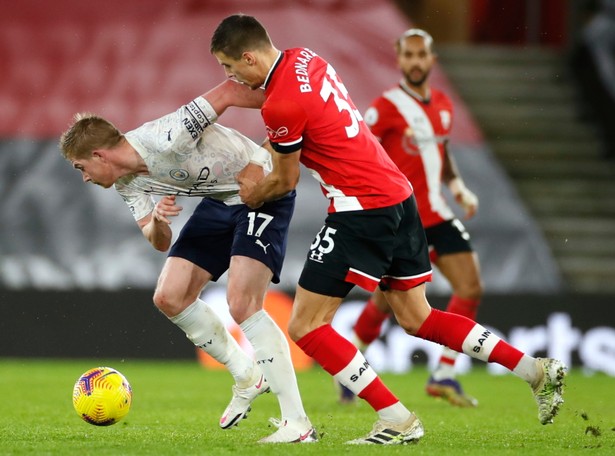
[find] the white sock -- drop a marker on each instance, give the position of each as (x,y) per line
(396,413)
(445,369)
(527,369)
(273,357)
(207,331)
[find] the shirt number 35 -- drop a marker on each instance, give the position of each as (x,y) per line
(333,87)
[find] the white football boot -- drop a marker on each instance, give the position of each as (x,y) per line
(241,401)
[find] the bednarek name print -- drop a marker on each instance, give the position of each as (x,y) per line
(301,69)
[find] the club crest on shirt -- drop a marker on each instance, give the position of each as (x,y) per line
(371,116)
(179,174)
(279,133)
(445,118)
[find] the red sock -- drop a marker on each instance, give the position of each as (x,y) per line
(446,359)
(446,328)
(334,353)
(452,330)
(368,326)
(506,355)
(466,307)
(459,306)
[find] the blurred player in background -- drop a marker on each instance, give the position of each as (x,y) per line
(413,121)
(372,235)
(186,154)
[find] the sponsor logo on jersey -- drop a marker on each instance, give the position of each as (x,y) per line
(279,133)
(179,174)
(408,142)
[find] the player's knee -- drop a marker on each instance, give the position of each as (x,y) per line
(238,313)
(412,316)
(160,301)
(470,290)
(166,303)
(477,290)
(296,330)
(242,306)
(409,325)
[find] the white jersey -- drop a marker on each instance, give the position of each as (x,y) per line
(185,156)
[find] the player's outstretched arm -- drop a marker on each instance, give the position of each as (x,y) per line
(231,93)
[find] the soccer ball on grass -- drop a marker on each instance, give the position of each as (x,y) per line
(102,396)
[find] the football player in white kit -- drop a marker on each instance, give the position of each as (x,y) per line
(186,154)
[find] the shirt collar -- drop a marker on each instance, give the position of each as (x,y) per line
(404,85)
(272,69)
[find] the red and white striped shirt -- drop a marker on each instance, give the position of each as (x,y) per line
(307,107)
(414,132)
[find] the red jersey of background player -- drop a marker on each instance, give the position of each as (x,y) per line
(414,133)
(307,107)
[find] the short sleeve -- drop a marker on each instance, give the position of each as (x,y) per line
(140,204)
(285,121)
(377,111)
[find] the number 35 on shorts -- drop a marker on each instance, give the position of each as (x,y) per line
(323,243)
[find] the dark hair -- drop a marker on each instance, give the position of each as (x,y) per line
(237,34)
(427,39)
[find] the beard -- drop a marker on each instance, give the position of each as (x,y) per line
(419,77)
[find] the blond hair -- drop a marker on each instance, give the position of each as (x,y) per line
(88,133)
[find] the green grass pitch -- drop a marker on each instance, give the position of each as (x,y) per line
(176,407)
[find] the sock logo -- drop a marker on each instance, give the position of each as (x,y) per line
(265,361)
(362,370)
(206,344)
(481,341)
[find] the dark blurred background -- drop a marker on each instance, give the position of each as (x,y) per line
(533,84)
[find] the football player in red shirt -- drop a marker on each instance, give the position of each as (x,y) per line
(412,121)
(372,235)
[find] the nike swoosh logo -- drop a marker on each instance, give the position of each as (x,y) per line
(260,383)
(305,436)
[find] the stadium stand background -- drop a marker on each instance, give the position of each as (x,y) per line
(71,257)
